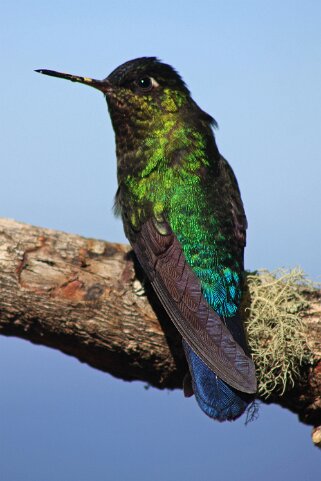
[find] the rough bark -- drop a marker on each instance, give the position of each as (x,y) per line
(85,297)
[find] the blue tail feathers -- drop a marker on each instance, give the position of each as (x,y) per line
(215,398)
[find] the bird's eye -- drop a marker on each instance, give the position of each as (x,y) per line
(145,84)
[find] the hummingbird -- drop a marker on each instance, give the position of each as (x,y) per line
(184,217)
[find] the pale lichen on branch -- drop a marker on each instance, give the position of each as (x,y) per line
(276,329)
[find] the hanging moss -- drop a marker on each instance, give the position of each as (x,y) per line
(275,326)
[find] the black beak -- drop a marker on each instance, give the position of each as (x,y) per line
(102,85)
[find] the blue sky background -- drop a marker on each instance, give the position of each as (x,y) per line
(256,67)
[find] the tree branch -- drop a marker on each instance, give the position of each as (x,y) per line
(86,298)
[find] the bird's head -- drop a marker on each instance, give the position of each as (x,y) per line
(142,94)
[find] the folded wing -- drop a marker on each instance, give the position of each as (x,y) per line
(179,290)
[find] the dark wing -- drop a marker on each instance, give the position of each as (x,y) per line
(232,193)
(179,290)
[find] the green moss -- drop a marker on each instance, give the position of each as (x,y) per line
(275,326)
